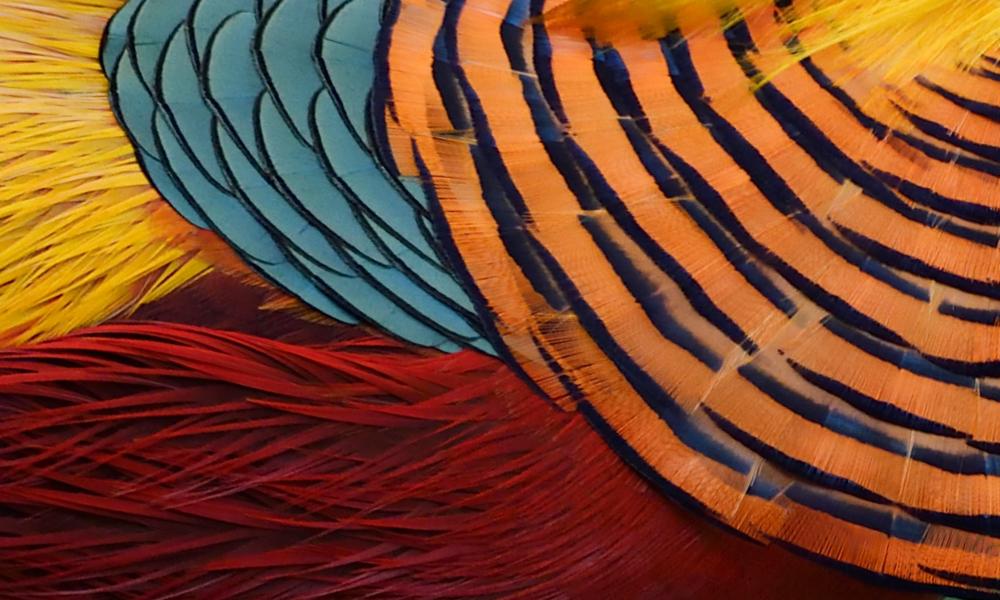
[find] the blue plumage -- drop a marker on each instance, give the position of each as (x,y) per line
(252,120)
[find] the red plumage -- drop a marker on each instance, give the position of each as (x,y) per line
(160,460)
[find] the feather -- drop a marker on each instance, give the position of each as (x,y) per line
(258,145)
(82,236)
(735,252)
(898,38)
(659,224)
(152,459)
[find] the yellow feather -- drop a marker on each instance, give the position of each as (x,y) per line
(897,38)
(79,243)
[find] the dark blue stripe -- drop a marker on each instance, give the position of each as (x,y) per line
(989,583)
(713,216)
(614,77)
(647,294)
(905,262)
(827,156)
(990,111)
(948,156)
(542,56)
(612,72)
(970,211)
(876,518)
(972,461)
(884,411)
(821,414)
(593,192)
(502,198)
(448,86)
(944,134)
(988,74)
(974,315)
(488,317)
(616,81)
(710,199)
(567,383)
(983,524)
(381,93)
(493,171)
(881,130)
(803,469)
(512,33)
(913,361)
(661,402)
(989,447)
(686,81)
(966,462)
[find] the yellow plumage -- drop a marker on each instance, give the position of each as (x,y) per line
(899,38)
(83,237)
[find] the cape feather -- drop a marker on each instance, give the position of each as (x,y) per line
(899,38)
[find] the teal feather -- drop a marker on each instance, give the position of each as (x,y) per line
(251,118)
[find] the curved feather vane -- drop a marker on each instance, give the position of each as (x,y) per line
(765,291)
(251,121)
(757,253)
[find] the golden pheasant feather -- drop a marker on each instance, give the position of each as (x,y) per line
(489,298)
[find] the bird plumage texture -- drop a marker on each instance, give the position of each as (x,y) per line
(752,244)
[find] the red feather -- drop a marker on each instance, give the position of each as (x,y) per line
(157,460)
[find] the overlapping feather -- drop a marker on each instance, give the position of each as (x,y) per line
(175,460)
(899,38)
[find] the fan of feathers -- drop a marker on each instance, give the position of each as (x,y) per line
(678,299)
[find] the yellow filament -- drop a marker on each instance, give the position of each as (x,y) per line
(78,240)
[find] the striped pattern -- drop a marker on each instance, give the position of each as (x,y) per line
(249,117)
(776,298)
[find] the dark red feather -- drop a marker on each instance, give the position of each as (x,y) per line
(158,460)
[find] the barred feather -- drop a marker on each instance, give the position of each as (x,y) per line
(689,225)
(777,290)
(899,38)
